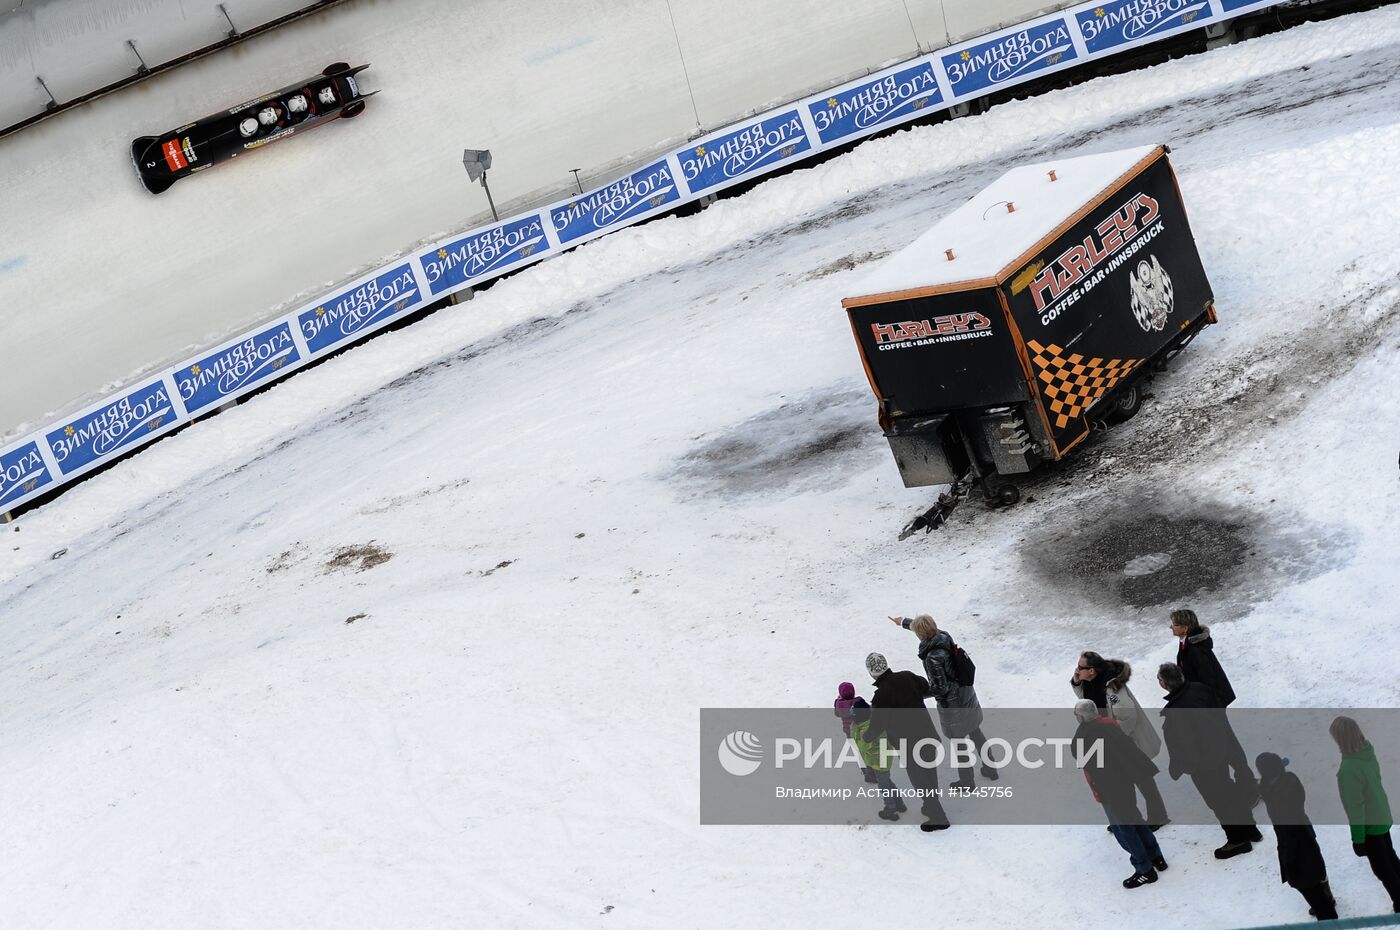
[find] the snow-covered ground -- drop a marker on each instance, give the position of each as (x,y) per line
(435,659)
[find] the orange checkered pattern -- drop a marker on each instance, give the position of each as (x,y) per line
(1071,383)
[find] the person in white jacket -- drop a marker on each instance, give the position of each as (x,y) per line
(1105,682)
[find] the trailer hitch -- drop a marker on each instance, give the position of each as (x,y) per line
(937,515)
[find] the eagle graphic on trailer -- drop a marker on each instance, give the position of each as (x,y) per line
(1152,295)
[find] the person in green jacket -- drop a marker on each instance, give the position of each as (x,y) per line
(869,744)
(1367,807)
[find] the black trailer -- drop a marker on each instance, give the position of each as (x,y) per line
(1036,311)
(333,94)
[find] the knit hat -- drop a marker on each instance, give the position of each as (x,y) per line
(845,690)
(1084,711)
(1270,765)
(876,665)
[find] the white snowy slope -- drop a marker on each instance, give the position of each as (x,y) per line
(645,478)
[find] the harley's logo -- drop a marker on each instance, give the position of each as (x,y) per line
(924,329)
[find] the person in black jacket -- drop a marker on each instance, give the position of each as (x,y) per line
(1114,773)
(1195,656)
(1300,862)
(1198,739)
(898,711)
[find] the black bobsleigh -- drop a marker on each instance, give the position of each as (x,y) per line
(333,94)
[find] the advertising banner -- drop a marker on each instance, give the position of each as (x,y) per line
(748,150)
(230,370)
(864,107)
(484,253)
(1120,23)
(1008,57)
(22,472)
(362,308)
(617,204)
(101,434)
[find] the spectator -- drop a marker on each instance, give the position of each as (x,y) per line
(1112,774)
(1300,862)
(1195,655)
(1367,807)
(897,710)
(958,707)
(872,746)
(845,700)
(1197,738)
(1105,682)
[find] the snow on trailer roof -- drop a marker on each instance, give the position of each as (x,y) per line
(985,237)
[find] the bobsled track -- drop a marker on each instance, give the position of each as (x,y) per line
(419,637)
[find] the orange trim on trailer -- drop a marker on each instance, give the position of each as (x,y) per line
(865,363)
(1143,164)
(1076,441)
(1027,369)
(888,297)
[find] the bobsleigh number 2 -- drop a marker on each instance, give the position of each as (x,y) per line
(333,94)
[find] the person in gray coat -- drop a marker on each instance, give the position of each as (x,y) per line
(958,708)
(1105,682)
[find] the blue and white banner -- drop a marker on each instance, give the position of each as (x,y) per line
(1239,6)
(618,203)
(484,253)
(1118,23)
(364,307)
(861,108)
(102,433)
(235,368)
(1009,57)
(22,472)
(744,151)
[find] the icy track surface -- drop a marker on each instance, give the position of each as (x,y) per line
(437,660)
(114,282)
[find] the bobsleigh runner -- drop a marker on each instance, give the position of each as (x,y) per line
(333,94)
(1029,316)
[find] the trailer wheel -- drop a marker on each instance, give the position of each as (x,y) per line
(1126,403)
(1008,495)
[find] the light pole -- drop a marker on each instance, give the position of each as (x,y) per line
(476,161)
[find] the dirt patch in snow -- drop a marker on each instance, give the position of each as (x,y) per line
(1146,554)
(845,263)
(358,558)
(813,440)
(287,558)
